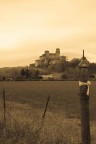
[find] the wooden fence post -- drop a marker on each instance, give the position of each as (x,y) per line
(4,105)
(45,111)
(42,121)
(84,100)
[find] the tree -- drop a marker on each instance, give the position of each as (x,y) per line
(23,72)
(92,68)
(36,74)
(74,62)
(65,75)
(27,74)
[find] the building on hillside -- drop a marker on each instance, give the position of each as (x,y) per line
(54,76)
(50,58)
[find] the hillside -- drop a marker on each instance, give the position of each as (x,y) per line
(69,70)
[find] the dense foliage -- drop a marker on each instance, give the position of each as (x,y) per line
(69,70)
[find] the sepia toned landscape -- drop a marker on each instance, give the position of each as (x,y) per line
(47,72)
(25,105)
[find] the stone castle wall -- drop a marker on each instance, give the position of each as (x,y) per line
(50,58)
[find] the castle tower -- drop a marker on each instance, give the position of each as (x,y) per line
(57,53)
(47,54)
(63,58)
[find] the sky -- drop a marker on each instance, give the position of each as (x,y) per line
(29,27)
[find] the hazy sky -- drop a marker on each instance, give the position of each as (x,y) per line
(29,27)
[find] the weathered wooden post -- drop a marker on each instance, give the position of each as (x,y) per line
(4,105)
(45,110)
(42,122)
(84,100)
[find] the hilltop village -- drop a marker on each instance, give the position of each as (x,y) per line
(49,66)
(50,58)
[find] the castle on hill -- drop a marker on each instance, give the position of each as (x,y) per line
(50,58)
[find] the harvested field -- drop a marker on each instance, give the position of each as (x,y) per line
(25,104)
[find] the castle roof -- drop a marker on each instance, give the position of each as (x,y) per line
(52,54)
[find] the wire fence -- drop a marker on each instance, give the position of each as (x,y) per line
(33,117)
(47,118)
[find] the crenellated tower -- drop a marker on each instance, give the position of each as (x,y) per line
(57,53)
(47,54)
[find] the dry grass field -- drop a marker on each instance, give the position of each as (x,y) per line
(25,104)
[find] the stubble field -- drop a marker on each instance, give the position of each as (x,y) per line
(25,104)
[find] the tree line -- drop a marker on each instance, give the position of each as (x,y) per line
(68,69)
